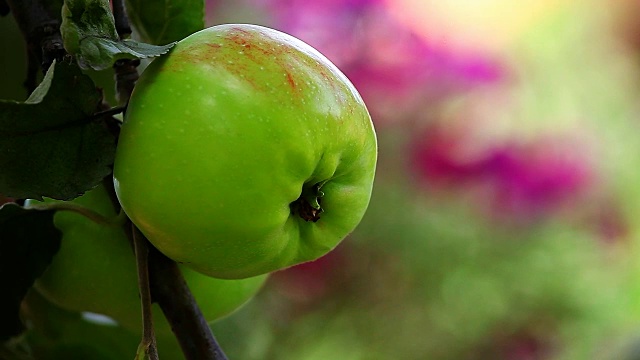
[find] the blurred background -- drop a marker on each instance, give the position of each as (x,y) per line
(503,219)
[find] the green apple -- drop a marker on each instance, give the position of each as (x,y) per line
(95,271)
(245,151)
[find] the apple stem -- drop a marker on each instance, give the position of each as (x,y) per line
(141,247)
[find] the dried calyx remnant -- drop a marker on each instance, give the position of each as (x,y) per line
(307,206)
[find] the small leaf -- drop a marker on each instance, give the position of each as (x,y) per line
(89,32)
(162,22)
(28,243)
(49,145)
(82,19)
(99,54)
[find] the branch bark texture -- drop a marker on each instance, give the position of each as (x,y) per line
(40,27)
(171,292)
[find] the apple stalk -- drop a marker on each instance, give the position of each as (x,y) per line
(148,344)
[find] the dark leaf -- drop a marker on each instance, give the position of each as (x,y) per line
(162,22)
(28,243)
(49,145)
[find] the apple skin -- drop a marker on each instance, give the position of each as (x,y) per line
(95,271)
(242,120)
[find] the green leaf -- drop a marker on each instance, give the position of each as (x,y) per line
(89,32)
(28,243)
(99,54)
(49,145)
(164,21)
(86,19)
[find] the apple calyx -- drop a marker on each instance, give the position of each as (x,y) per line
(308,204)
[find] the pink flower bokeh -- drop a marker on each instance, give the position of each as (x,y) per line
(397,71)
(524,180)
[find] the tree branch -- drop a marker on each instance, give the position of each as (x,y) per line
(40,27)
(169,289)
(122,21)
(126,70)
(33,66)
(126,73)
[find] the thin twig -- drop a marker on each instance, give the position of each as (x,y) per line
(141,247)
(126,74)
(79,209)
(126,70)
(33,66)
(122,21)
(108,112)
(51,44)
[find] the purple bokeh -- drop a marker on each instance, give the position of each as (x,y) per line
(522,180)
(390,64)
